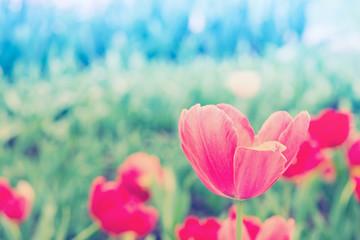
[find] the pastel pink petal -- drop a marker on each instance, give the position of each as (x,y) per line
(276,228)
(245,132)
(209,141)
(202,176)
(256,169)
(273,127)
(294,135)
(228,230)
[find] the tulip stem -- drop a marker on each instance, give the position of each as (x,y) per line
(343,202)
(287,199)
(12,230)
(239,219)
(87,232)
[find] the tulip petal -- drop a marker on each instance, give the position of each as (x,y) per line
(354,154)
(195,229)
(253,225)
(276,228)
(330,128)
(241,123)
(294,135)
(257,168)
(209,141)
(192,159)
(228,231)
(273,127)
(139,219)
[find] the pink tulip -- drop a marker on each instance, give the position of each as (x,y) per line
(16,204)
(119,212)
(138,172)
(194,229)
(226,155)
(274,228)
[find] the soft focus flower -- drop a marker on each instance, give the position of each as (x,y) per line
(331,128)
(354,154)
(356,182)
(194,229)
(5,193)
(274,228)
(226,155)
(245,84)
(310,158)
(16,204)
(137,173)
(117,211)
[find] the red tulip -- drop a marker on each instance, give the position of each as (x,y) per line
(5,193)
(274,228)
(117,211)
(354,167)
(331,128)
(193,229)
(354,154)
(309,158)
(226,155)
(16,204)
(137,173)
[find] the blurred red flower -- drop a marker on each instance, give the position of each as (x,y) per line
(274,228)
(330,128)
(117,211)
(16,204)
(138,172)
(354,154)
(310,158)
(224,152)
(194,229)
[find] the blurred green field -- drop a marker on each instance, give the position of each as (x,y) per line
(60,131)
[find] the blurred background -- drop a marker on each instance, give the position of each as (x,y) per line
(83,84)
